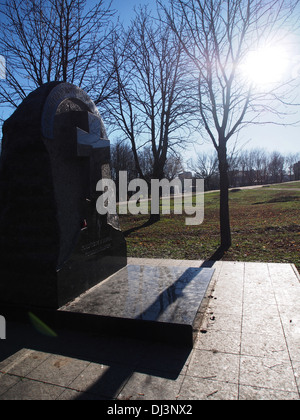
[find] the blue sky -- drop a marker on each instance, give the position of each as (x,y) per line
(126,7)
(269,137)
(283,139)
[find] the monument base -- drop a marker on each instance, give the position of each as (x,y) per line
(145,302)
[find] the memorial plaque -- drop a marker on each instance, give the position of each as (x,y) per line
(53,243)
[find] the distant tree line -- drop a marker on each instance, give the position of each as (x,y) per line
(248,167)
(122,159)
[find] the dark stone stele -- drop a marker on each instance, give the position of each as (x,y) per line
(53,243)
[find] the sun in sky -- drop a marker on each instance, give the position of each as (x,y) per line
(266,65)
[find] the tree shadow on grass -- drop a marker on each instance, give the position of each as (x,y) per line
(217,256)
(149,222)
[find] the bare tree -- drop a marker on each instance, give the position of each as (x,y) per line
(122,160)
(173,167)
(217,35)
(55,40)
(297,171)
(290,160)
(259,165)
(152,101)
(276,167)
(206,167)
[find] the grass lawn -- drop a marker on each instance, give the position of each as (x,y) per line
(295,184)
(265,227)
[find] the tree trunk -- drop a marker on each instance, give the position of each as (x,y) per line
(157,174)
(154,218)
(224,199)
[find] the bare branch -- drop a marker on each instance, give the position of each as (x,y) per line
(51,40)
(151,104)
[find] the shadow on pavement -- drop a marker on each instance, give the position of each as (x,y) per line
(121,357)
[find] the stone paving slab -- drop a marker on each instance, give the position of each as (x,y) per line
(248,349)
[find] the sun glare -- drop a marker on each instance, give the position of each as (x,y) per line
(265,66)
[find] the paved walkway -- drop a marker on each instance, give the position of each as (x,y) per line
(248,348)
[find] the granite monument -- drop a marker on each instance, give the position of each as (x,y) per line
(53,243)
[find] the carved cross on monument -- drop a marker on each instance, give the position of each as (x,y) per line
(86,142)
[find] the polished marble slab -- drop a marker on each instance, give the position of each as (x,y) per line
(152,301)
